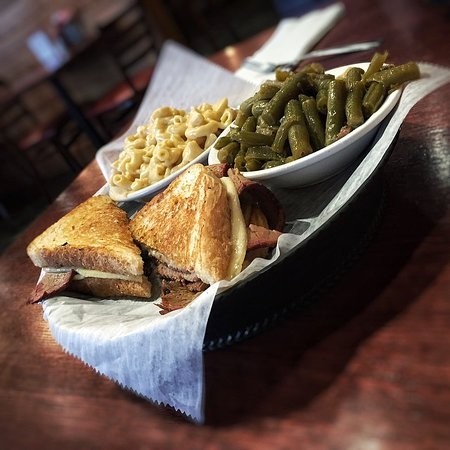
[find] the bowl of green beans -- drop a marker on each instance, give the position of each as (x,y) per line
(306,126)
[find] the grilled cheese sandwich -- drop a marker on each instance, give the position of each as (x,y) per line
(90,250)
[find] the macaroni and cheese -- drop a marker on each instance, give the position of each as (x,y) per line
(172,138)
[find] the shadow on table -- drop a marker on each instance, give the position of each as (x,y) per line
(290,365)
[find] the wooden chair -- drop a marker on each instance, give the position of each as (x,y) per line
(133,47)
(30,141)
(211,25)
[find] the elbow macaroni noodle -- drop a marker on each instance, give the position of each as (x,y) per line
(172,138)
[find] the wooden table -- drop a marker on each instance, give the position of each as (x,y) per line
(367,368)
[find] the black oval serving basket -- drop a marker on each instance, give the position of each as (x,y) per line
(291,285)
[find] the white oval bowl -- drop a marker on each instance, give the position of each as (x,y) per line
(328,161)
(150,191)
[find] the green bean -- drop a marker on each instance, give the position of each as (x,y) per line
(290,159)
(314,123)
(308,84)
(299,141)
(228,153)
(314,67)
(263,128)
(322,95)
(262,152)
(249,124)
(292,111)
(258,107)
(269,131)
(291,88)
(303,97)
(325,81)
(353,104)
(222,142)
(252,164)
(298,135)
(233,133)
(320,79)
(397,75)
(373,98)
(314,80)
(282,75)
(268,89)
(246,106)
(272,163)
(254,138)
(376,63)
(322,100)
(240,118)
(282,135)
(352,76)
(239,160)
(335,110)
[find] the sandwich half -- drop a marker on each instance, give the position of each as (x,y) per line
(89,250)
(206,226)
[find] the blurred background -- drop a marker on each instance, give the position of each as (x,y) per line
(73,73)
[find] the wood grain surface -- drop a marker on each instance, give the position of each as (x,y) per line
(367,367)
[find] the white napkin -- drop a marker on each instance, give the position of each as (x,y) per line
(160,357)
(294,37)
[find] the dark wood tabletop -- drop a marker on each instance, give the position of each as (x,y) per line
(367,367)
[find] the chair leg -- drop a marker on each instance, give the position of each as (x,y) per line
(4,214)
(38,181)
(70,160)
(113,122)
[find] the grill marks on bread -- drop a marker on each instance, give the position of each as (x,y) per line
(94,235)
(188,226)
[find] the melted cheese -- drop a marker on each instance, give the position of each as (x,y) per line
(238,230)
(86,273)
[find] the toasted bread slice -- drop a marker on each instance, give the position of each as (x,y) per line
(95,242)
(188,226)
(95,235)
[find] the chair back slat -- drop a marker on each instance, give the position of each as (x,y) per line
(129,40)
(16,119)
